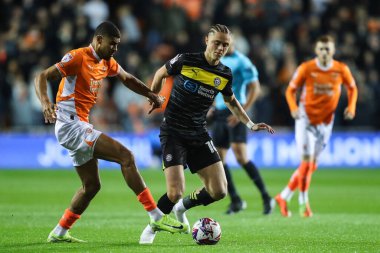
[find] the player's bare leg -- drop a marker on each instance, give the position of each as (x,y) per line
(109,149)
(89,176)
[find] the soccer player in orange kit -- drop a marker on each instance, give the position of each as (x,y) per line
(320,80)
(81,72)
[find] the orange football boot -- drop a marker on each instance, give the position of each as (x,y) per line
(283,206)
(305,210)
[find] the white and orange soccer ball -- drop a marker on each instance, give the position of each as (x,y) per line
(206,231)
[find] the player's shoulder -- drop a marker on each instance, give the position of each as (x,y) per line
(224,70)
(190,56)
(76,54)
(312,63)
(81,51)
(339,65)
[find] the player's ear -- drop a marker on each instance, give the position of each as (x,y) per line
(99,39)
(206,39)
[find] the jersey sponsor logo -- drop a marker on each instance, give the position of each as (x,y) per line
(204,77)
(201,90)
(95,86)
(334,75)
(323,89)
(208,93)
(190,86)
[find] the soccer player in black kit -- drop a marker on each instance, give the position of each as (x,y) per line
(198,78)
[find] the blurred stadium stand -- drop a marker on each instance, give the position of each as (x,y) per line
(276,34)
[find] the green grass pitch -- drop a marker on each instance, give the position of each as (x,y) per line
(346,205)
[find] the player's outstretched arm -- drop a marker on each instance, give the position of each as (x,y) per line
(235,107)
(40,85)
(134,84)
(159,79)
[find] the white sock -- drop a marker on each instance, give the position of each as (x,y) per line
(59,230)
(156,214)
(306,197)
(287,194)
(179,206)
(301,198)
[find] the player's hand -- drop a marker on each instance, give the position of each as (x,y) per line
(232,120)
(155,101)
(295,114)
(48,110)
(262,126)
(348,115)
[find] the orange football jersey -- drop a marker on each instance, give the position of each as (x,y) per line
(82,73)
(321,89)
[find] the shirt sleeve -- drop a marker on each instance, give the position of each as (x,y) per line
(114,68)
(227,91)
(297,81)
(352,90)
(250,73)
(299,77)
(70,64)
(174,66)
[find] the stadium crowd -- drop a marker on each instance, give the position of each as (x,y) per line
(276,34)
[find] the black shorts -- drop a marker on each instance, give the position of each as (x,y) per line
(196,154)
(223,134)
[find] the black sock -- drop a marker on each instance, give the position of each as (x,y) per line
(254,174)
(231,186)
(196,198)
(165,204)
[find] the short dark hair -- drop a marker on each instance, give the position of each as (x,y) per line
(219,28)
(107,29)
(325,38)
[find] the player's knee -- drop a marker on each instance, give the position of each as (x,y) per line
(241,160)
(126,158)
(92,189)
(219,193)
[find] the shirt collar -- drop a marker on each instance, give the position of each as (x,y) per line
(94,53)
(322,67)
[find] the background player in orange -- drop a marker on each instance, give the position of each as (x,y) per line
(82,71)
(320,80)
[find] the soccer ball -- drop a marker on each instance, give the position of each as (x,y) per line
(206,231)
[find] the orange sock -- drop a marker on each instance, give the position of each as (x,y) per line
(313,166)
(68,219)
(293,182)
(312,169)
(146,199)
(302,174)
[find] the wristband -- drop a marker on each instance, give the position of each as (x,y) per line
(250,124)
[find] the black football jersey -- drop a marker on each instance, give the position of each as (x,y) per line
(196,83)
